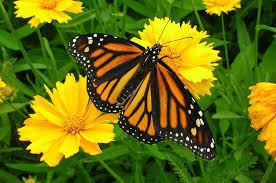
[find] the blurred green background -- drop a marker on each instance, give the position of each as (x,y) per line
(240,156)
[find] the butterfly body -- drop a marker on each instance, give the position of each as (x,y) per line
(154,104)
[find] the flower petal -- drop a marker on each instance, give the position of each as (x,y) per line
(52,157)
(71,145)
(68,94)
(48,110)
(91,113)
(26,9)
(83,97)
(98,133)
(200,88)
(34,22)
(89,147)
(59,16)
(107,118)
(36,129)
(63,5)
(196,74)
(43,15)
(43,144)
(75,8)
(55,98)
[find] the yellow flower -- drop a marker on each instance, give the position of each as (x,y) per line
(2,83)
(191,59)
(2,86)
(216,7)
(46,10)
(262,113)
(30,179)
(59,128)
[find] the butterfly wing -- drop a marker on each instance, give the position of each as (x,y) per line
(110,63)
(136,118)
(176,114)
(105,95)
(103,56)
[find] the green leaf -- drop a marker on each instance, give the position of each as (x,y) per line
(243,179)
(25,67)
(138,175)
(24,31)
(269,61)
(29,167)
(7,40)
(227,115)
(140,8)
(243,36)
(6,108)
(112,152)
(215,42)
(188,4)
(224,126)
(7,177)
(265,27)
(179,167)
(5,129)
(79,19)
(155,152)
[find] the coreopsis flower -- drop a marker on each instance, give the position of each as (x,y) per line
(192,60)
(59,128)
(262,113)
(46,10)
(216,7)
(2,86)
(30,179)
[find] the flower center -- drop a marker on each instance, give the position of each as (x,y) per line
(50,4)
(73,124)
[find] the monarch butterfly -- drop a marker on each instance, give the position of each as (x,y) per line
(153,102)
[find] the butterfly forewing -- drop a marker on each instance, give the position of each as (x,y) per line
(176,114)
(105,57)
(110,63)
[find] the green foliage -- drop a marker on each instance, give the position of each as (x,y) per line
(240,156)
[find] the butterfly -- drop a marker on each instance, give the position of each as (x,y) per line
(154,104)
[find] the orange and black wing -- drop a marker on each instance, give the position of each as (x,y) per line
(105,57)
(110,63)
(136,118)
(105,95)
(176,114)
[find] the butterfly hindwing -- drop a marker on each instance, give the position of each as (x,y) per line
(176,114)
(105,57)
(136,118)
(105,95)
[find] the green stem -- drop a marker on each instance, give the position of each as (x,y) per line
(65,46)
(124,18)
(197,16)
(256,37)
(43,49)
(201,165)
(98,14)
(19,43)
(117,177)
(268,170)
(224,40)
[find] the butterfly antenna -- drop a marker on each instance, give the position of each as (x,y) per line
(177,40)
(163,30)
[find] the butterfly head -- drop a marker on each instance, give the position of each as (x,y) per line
(153,52)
